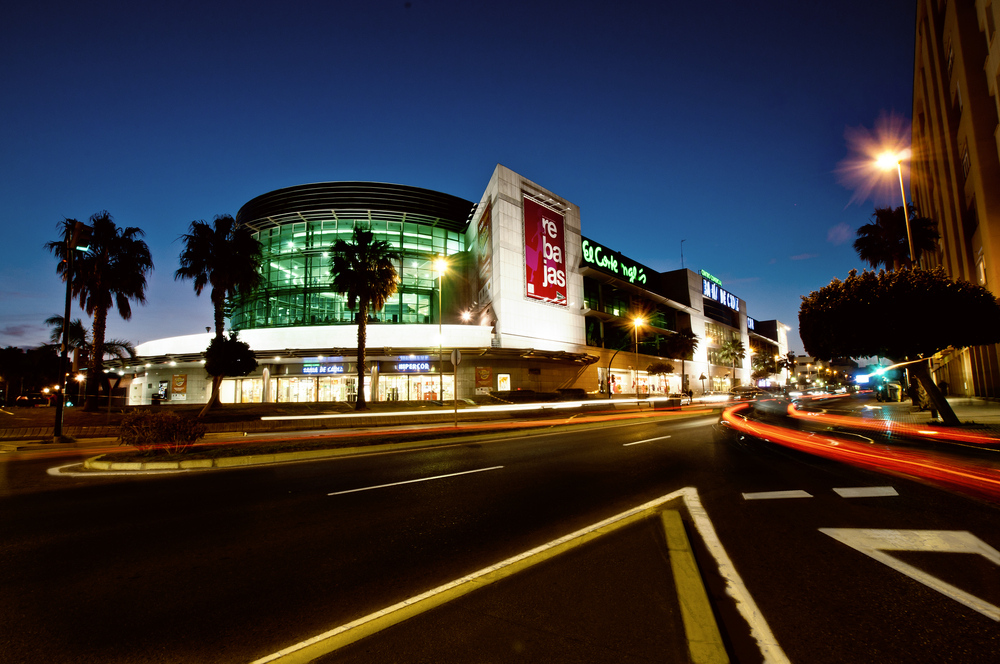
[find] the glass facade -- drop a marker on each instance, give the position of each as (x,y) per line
(296,269)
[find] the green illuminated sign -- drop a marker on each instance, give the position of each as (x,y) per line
(613,262)
(713,279)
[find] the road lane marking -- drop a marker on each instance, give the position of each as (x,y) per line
(875,542)
(772,495)
(336,638)
(702,632)
(866,492)
(420,479)
(648,440)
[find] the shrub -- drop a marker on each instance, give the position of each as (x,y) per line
(147,430)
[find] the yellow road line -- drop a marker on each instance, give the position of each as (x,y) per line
(702,632)
(339,637)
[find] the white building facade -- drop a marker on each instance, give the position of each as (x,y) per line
(528,301)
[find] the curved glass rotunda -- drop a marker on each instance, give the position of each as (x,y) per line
(298,225)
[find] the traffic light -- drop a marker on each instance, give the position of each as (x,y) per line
(82,234)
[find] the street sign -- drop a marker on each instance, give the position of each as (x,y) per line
(456,357)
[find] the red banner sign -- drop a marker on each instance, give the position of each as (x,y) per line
(544,253)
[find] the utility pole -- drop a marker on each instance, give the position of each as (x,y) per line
(78,240)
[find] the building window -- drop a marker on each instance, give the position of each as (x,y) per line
(951,57)
(966,161)
(958,98)
(981,269)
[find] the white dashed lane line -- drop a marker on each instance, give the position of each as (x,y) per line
(772,495)
(843,492)
(648,440)
(866,492)
(420,479)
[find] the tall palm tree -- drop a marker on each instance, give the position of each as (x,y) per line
(365,270)
(884,241)
(110,274)
(730,351)
(224,256)
(681,346)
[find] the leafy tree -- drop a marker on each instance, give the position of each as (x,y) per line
(365,270)
(682,346)
(227,356)
(732,351)
(763,364)
(110,274)
(659,369)
(884,241)
(226,257)
(904,315)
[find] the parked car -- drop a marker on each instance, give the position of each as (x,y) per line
(31,400)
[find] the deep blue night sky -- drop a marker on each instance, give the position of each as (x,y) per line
(722,126)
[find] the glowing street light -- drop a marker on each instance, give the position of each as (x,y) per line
(886,161)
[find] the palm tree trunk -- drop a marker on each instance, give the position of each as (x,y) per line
(219,307)
(91,405)
(359,403)
(213,400)
(939,403)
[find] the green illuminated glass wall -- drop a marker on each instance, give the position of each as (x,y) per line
(296,269)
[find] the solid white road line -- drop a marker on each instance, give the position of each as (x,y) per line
(866,492)
(421,479)
(875,542)
(759,629)
(771,495)
(648,440)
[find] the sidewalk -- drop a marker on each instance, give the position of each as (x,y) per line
(969,410)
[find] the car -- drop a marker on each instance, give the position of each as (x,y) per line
(746,393)
(31,400)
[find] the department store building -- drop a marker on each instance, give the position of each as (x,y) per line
(527,300)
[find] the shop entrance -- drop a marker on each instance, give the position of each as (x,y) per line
(424,387)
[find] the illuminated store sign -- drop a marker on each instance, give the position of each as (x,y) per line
(544,253)
(412,367)
(612,262)
(321,369)
(711,290)
(750,323)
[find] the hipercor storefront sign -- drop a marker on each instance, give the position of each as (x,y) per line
(544,253)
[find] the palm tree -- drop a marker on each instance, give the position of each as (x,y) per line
(79,336)
(79,340)
(884,241)
(682,345)
(110,274)
(730,351)
(224,256)
(365,270)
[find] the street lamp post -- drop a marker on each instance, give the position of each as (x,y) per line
(886,161)
(638,322)
(441,264)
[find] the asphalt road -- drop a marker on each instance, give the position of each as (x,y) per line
(231,566)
